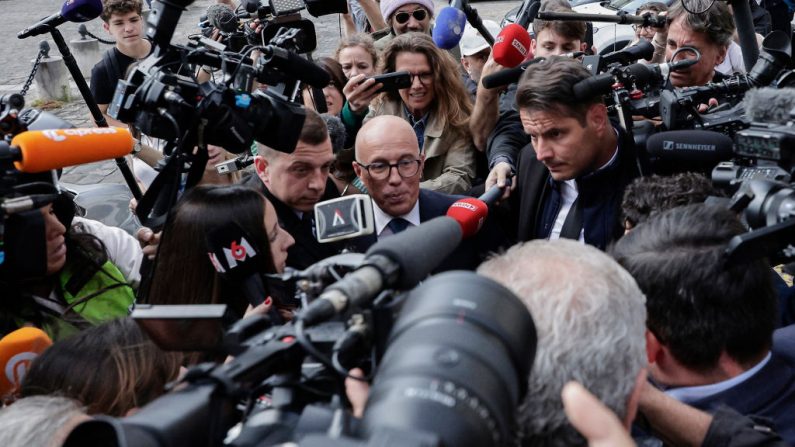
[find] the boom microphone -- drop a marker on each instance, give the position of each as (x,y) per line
(71,11)
(449,26)
(17,351)
(690,146)
(222,17)
(769,105)
(399,261)
(512,46)
(44,150)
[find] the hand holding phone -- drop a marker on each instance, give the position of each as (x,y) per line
(393,82)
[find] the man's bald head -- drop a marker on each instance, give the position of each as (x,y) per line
(379,129)
(389,140)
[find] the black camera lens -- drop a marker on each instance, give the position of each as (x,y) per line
(457,363)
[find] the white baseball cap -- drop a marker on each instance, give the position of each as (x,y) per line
(472,42)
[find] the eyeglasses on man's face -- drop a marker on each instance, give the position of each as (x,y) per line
(380,170)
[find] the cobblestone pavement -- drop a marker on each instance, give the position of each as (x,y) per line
(16,58)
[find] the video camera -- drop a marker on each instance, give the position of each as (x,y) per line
(451,371)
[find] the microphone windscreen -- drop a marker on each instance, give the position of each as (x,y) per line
(222,17)
(418,250)
(511,46)
(43,150)
(81,10)
(690,146)
(769,105)
(449,28)
(233,252)
(470,213)
(17,351)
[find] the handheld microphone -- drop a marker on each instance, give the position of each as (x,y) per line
(17,351)
(251,6)
(769,105)
(222,17)
(399,261)
(642,50)
(44,150)
(71,11)
(296,66)
(449,27)
(512,46)
(511,75)
(690,146)
(470,213)
(527,13)
(234,256)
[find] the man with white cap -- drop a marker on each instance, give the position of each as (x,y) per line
(475,52)
(403,16)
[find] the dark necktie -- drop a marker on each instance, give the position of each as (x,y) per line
(398,224)
(307,222)
(419,131)
(573,223)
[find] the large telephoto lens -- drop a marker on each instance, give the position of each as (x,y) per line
(457,363)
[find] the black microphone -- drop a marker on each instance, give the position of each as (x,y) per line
(400,262)
(642,50)
(296,66)
(769,105)
(511,75)
(527,13)
(71,11)
(236,258)
(252,6)
(690,146)
(222,18)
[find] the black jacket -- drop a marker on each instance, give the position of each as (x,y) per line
(600,196)
(306,250)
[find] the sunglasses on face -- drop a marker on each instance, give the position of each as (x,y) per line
(403,16)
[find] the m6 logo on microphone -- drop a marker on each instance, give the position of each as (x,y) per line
(237,252)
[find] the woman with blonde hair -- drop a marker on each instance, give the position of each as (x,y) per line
(436,105)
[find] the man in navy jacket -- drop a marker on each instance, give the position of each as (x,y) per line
(389,162)
(710,322)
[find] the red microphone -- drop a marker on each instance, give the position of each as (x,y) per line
(17,351)
(470,213)
(512,46)
(44,150)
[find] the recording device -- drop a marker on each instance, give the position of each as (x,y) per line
(180,327)
(344,217)
(453,371)
(621,18)
(628,55)
(17,350)
(449,27)
(678,107)
(512,46)
(237,257)
(528,11)
(44,150)
(392,82)
(511,75)
(72,11)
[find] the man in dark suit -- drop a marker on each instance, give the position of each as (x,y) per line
(389,162)
(294,183)
(710,322)
(570,182)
